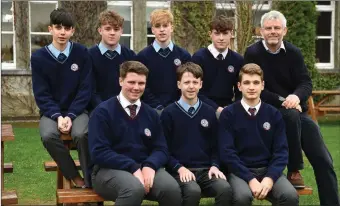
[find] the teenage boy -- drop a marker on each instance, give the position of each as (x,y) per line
(107,57)
(61,86)
(288,87)
(220,66)
(253,145)
(190,127)
(128,147)
(162,59)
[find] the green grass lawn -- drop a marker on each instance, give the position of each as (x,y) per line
(37,187)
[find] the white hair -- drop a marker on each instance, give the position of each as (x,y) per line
(274,15)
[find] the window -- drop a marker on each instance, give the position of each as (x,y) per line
(7,36)
(124,8)
(325,35)
(39,13)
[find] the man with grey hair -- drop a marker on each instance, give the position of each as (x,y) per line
(288,87)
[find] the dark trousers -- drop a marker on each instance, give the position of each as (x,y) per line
(282,193)
(125,189)
(50,137)
(321,161)
(217,188)
(312,144)
(291,117)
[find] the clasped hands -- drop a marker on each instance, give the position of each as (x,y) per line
(292,102)
(64,124)
(146,177)
(261,189)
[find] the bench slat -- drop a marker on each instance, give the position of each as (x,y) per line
(328,109)
(8,167)
(9,197)
(305,191)
(52,165)
(7,132)
(77,196)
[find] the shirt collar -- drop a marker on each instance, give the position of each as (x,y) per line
(215,52)
(125,103)
(103,48)
(186,106)
(246,106)
(157,47)
(277,51)
(56,52)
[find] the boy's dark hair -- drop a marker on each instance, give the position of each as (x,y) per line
(110,17)
(191,67)
(60,16)
(221,24)
(133,67)
(251,69)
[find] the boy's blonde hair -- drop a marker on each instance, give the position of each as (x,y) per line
(161,16)
(110,17)
(251,69)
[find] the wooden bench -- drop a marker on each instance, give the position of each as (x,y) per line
(77,196)
(7,197)
(319,108)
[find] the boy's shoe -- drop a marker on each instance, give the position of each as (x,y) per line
(296,179)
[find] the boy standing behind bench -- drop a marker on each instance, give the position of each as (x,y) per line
(61,87)
(107,57)
(190,127)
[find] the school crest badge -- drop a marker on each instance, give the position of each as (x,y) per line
(147,132)
(204,123)
(177,62)
(74,67)
(231,69)
(266,126)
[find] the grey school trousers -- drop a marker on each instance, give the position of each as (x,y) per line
(217,188)
(50,137)
(282,194)
(125,189)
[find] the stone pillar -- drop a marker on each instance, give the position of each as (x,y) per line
(139,25)
(21,34)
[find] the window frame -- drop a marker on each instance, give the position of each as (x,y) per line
(6,65)
(328,8)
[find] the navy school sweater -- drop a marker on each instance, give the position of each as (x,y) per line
(105,74)
(118,142)
(220,77)
(62,88)
(191,138)
(284,73)
(161,87)
(252,142)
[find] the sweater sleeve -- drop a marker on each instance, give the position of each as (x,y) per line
(101,151)
(279,158)
(159,151)
(228,152)
(214,142)
(41,89)
(83,95)
(301,78)
(166,121)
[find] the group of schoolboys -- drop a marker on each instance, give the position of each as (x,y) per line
(203,142)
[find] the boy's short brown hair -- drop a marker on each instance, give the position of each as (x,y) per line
(161,16)
(110,17)
(133,67)
(191,67)
(221,24)
(251,69)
